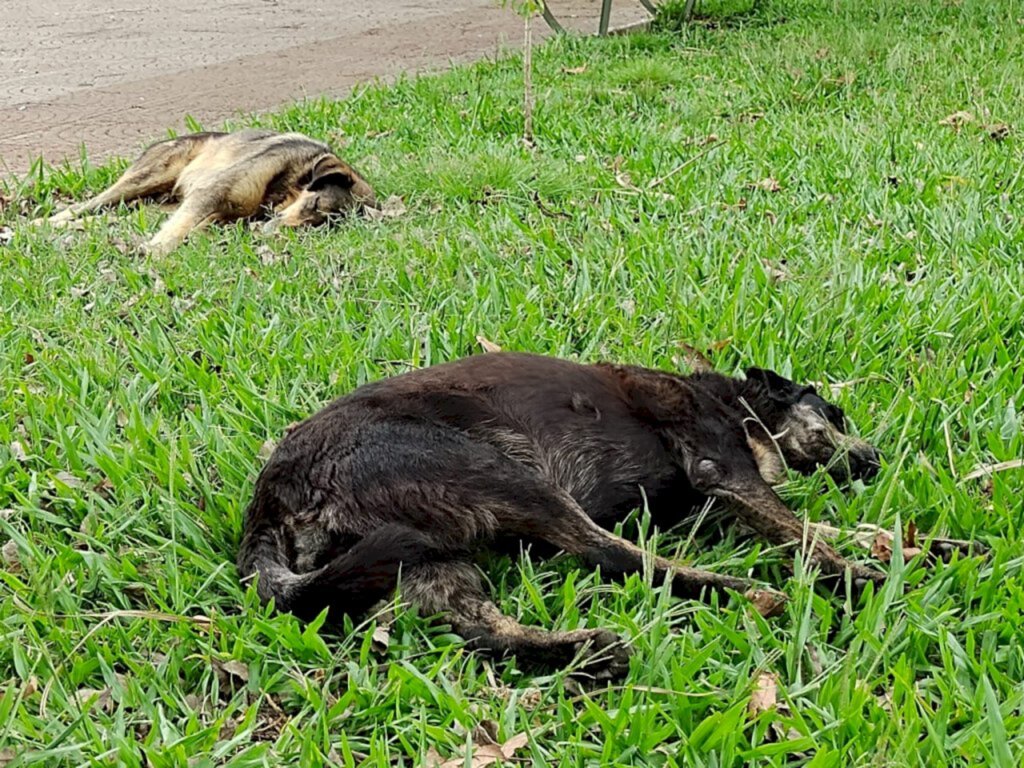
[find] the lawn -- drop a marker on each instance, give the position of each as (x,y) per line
(778,187)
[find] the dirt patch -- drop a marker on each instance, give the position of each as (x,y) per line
(114,75)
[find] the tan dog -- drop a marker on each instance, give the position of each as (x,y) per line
(225,176)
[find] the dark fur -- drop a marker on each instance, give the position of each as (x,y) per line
(224,176)
(428,468)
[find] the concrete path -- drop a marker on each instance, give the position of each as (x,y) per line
(115,74)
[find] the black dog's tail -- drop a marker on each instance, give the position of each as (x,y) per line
(350,583)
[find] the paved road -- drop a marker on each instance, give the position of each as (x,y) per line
(114,74)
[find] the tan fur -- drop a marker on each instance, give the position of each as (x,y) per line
(226,176)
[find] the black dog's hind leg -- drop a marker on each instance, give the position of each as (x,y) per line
(455,590)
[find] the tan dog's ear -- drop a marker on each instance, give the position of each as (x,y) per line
(328,170)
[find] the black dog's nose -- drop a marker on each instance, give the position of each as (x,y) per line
(865,465)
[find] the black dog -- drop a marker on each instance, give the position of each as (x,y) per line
(425,469)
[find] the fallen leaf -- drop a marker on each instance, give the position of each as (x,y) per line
(821,53)
(391,208)
(381,639)
(266,449)
(775,274)
(9,556)
(18,451)
(104,488)
(269,257)
(765,694)
(6,235)
(997,131)
(750,117)
(6,514)
(7,756)
(990,469)
(488,346)
(95,697)
(66,478)
(623,179)
(910,540)
(881,547)
(957,120)
(768,184)
(767,602)
(694,358)
(479,756)
(234,668)
(575,70)
(845,79)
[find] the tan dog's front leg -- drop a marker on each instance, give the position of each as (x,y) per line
(189,217)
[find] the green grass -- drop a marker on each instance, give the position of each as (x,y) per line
(141,391)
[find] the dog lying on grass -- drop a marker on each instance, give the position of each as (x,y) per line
(421,471)
(226,176)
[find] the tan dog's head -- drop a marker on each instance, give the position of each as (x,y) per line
(334,189)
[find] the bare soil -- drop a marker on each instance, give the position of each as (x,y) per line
(112,75)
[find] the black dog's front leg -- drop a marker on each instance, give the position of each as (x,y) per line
(759,507)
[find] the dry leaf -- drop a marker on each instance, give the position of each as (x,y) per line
(990,469)
(488,346)
(234,669)
(575,70)
(957,120)
(694,358)
(480,756)
(381,639)
(9,556)
(997,131)
(768,184)
(881,547)
(910,540)
(104,488)
(95,697)
(775,274)
(821,53)
(7,756)
(6,514)
(767,602)
(6,235)
(391,208)
(266,449)
(268,257)
(66,478)
(622,178)
(765,695)
(18,451)
(750,117)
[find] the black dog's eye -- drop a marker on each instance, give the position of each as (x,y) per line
(833,413)
(836,416)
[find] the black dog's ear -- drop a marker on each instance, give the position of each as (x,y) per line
(328,170)
(776,386)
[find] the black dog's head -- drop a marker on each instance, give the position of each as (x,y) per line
(334,188)
(808,431)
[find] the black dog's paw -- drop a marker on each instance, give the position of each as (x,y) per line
(607,657)
(944,549)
